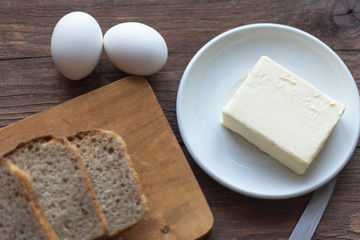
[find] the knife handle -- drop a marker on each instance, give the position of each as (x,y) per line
(313,212)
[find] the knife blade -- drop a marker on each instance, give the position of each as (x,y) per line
(313,212)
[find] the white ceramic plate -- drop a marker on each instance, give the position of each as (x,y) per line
(215,73)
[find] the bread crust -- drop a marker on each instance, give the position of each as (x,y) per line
(32,199)
(91,190)
(119,140)
(49,139)
(115,139)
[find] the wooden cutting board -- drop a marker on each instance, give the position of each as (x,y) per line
(178,209)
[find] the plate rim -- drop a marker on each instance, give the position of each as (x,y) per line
(185,137)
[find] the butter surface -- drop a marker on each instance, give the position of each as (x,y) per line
(282,114)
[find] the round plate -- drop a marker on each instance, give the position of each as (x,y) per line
(217,71)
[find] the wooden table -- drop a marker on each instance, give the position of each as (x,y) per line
(29,83)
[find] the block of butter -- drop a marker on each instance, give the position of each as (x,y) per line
(282,114)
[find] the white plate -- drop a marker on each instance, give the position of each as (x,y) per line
(214,74)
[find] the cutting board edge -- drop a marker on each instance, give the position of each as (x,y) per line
(210,218)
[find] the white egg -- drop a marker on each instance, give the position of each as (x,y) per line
(76,45)
(136,48)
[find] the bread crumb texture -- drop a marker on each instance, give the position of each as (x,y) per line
(113,177)
(20,211)
(56,171)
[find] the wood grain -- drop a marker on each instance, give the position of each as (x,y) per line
(29,84)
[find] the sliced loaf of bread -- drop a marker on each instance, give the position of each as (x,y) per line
(57,172)
(21,215)
(113,177)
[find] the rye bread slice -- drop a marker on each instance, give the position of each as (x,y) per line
(57,172)
(113,177)
(21,214)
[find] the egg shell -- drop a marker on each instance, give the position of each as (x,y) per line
(76,45)
(136,48)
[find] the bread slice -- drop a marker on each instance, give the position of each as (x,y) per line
(21,214)
(113,177)
(57,172)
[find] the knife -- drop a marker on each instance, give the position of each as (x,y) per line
(311,216)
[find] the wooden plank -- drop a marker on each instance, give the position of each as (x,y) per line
(178,209)
(177,21)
